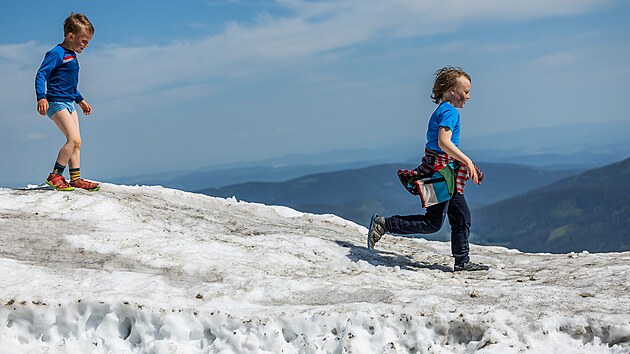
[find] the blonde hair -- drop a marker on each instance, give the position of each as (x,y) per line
(446,80)
(76,23)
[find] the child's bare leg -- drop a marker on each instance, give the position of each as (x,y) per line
(75,159)
(70,152)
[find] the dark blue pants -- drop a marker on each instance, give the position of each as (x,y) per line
(432,220)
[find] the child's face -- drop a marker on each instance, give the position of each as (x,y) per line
(78,41)
(461,93)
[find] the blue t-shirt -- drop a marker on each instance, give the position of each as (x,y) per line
(58,77)
(444,116)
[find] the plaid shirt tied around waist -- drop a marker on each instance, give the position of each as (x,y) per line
(435,161)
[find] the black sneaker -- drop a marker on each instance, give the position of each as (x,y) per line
(470,267)
(377,229)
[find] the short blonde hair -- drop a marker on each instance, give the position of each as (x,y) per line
(75,23)
(446,80)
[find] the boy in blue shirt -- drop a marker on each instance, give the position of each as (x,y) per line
(56,88)
(451,90)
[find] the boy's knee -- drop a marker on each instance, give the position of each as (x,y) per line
(75,143)
(436,228)
(463,227)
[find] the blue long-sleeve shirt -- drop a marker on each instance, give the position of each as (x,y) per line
(58,76)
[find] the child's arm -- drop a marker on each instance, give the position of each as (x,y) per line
(51,61)
(87,109)
(445,143)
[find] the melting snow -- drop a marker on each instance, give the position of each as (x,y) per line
(156,270)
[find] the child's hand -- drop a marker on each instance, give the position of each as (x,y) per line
(472,173)
(42,106)
(87,109)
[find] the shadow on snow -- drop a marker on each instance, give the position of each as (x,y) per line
(388,259)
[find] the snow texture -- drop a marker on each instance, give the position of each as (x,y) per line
(133,269)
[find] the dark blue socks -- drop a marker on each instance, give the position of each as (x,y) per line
(58,169)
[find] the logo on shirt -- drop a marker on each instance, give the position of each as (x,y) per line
(68,58)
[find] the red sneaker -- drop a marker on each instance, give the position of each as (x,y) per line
(58,182)
(87,185)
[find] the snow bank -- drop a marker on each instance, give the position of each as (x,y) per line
(156,270)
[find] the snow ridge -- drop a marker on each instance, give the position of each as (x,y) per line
(133,269)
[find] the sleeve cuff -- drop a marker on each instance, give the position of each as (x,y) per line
(78,99)
(40,96)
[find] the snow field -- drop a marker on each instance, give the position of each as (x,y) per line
(154,270)
(98,327)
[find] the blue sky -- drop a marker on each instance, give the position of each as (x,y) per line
(195,83)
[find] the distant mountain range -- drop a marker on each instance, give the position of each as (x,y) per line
(581,146)
(589,211)
(355,194)
(208,178)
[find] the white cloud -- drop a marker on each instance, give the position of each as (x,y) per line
(35,136)
(559,58)
(313,31)
(18,65)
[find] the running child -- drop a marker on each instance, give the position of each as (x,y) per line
(56,88)
(451,90)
